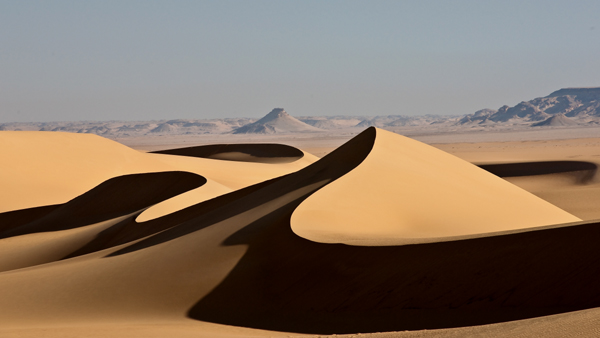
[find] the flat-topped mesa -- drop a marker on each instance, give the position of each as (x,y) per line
(277,121)
(587,92)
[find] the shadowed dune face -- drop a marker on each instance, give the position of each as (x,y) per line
(582,172)
(46,234)
(289,284)
(130,230)
(113,198)
(16,218)
(259,152)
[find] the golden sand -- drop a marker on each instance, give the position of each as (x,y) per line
(384,234)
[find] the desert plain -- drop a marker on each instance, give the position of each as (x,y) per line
(358,234)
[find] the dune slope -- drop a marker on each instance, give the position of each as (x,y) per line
(46,237)
(409,192)
(44,168)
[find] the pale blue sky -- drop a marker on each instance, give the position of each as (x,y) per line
(142,60)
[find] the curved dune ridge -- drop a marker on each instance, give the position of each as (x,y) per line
(70,226)
(43,168)
(254,260)
(265,161)
(408,192)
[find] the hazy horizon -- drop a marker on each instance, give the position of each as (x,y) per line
(152,60)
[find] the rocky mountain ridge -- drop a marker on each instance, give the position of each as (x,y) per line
(579,106)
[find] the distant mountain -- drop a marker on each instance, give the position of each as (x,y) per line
(524,110)
(277,121)
(577,105)
(565,107)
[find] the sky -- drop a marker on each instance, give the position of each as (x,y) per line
(152,60)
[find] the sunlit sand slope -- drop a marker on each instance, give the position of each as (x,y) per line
(42,168)
(408,192)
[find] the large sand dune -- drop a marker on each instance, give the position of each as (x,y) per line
(407,192)
(257,256)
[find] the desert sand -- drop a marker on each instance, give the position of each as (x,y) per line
(378,236)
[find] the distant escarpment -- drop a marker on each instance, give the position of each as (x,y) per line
(564,107)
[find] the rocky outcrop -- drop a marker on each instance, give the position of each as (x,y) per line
(277,121)
(478,117)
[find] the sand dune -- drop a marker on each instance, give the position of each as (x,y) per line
(252,163)
(46,238)
(258,260)
(407,192)
(45,247)
(43,168)
(113,198)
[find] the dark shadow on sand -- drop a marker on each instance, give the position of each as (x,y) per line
(287,283)
(583,172)
(258,152)
(113,198)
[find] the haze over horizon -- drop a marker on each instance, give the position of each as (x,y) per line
(152,60)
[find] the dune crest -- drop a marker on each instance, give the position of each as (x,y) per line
(408,192)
